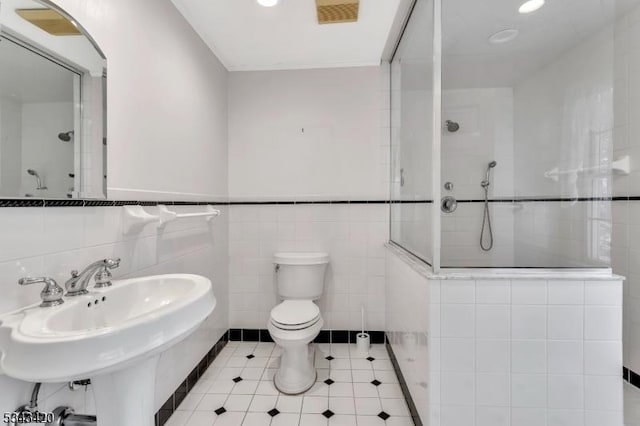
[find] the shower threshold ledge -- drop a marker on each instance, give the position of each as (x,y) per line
(581,274)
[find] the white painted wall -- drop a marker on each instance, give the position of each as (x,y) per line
(167,109)
(167,127)
(307,134)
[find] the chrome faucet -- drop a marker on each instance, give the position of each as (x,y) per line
(52,293)
(78,283)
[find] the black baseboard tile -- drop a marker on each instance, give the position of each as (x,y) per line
(403,385)
(339,336)
(625,373)
(265,336)
(235,335)
(181,392)
(634,378)
(325,336)
(250,335)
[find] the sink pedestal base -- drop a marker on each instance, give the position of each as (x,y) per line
(126,397)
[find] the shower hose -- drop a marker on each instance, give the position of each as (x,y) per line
(486,223)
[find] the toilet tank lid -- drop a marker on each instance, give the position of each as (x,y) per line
(301,258)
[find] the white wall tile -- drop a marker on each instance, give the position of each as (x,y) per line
(566,357)
(528,322)
(529,356)
(565,391)
(603,323)
(565,322)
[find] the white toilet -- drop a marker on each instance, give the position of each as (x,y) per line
(296,321)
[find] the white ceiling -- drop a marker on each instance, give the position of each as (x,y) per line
(247,36)
(469,60)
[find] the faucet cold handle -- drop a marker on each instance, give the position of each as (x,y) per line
(52,293)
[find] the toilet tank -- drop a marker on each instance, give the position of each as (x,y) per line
(300,275)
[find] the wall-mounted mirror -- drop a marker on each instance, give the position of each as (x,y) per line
(52,104)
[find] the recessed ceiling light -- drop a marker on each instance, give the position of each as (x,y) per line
(531,6)
(268,3)
(503,36)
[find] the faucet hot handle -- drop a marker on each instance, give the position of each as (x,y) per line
(52,293)
(103,278)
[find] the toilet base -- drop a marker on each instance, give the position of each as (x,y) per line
(296,374)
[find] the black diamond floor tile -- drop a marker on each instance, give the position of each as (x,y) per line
(371,359)
(383,415)
(376,383)
(237,379)
(220,410)
(273,412)
(251,356)
(329,358)
(329,382)
(328,414)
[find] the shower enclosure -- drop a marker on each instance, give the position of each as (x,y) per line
(517,105)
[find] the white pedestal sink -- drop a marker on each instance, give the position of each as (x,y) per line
(113,336)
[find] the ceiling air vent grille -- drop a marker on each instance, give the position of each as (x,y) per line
(337,11)
(50,21)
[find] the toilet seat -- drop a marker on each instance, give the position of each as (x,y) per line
(295,315)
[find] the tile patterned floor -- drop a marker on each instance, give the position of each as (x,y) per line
(351,390)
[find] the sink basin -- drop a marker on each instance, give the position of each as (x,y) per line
(112,335)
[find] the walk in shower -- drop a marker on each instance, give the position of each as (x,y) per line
(517,105)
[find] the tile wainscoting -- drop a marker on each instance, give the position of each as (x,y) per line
(493,350)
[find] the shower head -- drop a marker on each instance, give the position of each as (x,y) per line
(487,181)
(452,126)
(66,136)
(35,174)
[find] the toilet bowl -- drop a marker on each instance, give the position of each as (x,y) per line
(296,321)
(293,325)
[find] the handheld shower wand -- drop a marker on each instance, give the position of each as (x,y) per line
(486,217)
(38,180)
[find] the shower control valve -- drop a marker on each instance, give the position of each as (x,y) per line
(448,204)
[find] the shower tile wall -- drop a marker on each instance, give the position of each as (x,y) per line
(507,352)
(549,120)
(625,250)
(486,134)
(565,122)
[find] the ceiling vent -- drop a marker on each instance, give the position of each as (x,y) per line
(50,21)
(337,11)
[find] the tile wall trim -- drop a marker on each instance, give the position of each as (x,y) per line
(537,200)
(171,404)
(33,202)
